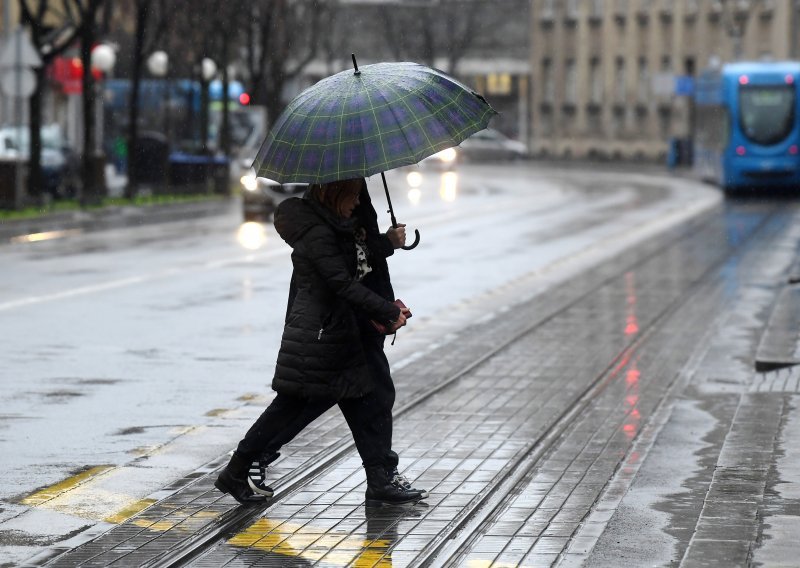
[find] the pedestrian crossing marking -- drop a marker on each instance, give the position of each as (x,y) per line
(126,513)
(309,543)
(48,493)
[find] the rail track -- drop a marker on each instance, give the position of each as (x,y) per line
(450,545)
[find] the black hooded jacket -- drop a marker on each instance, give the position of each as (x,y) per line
(321,354)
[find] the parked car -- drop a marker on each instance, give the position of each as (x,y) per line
(60,164)
(261,195)
(490,145)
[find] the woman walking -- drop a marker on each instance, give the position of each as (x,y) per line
(329,354)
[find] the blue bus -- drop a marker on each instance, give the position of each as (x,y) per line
(747,128)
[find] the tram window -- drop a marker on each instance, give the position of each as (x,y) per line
(713,127)
(766,113)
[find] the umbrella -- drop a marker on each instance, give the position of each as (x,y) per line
(361,122)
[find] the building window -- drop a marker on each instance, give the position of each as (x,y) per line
(595,122)
(546,122)
(572,10)
(595,81)
(597,11)
(620,10)
(643,13)
(666,63)
(665,10)
(548,82)
(619,81)
(498,84)
(617,122)
(642,87)
(664,123)
(548,11)
(570,82)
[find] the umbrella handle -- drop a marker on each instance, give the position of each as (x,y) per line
(415,243)
(391,215)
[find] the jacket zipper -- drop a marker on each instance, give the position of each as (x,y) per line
(325,322)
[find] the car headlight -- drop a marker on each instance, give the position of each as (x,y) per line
(249,182)
(447,155)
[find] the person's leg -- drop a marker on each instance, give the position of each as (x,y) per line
(313,409)
(233,479)
(258,468)
(381,398)
(282,413)
(360,414)
(384,397)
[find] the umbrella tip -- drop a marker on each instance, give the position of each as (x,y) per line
(357,72)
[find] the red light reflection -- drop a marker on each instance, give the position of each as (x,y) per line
(632,415)
(631,323)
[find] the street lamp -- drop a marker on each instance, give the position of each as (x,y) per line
(103,59)
(158,63)
(158,66)
(208,68)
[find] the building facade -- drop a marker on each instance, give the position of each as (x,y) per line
(612,79)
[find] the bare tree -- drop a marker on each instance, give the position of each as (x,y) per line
(446,29)
(150,27)
(52,32)
(230,20)
(282,38)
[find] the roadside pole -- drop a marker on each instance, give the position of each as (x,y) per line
(17,80)
(6,32)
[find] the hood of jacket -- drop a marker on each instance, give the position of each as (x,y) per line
(295,216)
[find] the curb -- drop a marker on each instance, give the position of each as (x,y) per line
(114,217)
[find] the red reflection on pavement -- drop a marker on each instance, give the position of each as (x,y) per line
(631,323)
(632,415)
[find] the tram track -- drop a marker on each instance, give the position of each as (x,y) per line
(449,549)
(461,531)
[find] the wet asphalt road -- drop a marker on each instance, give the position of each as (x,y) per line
(151,321)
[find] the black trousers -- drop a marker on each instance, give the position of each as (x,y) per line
(369,417)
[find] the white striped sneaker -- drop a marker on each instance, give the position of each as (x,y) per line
(257,476)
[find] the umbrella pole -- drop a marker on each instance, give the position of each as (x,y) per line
(392,217)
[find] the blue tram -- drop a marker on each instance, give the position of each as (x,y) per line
(747,128)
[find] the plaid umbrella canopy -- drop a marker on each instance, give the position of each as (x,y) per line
(358,123)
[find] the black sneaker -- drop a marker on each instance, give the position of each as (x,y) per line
(382,491)
(401,481)
(257,476)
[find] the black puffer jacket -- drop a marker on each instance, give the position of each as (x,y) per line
(321,355)
(377,280)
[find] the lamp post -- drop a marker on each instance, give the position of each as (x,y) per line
(738,14)
(102,60)
(158,66)
(208,69)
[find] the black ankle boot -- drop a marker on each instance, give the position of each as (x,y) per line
(381,489)
(233,480)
